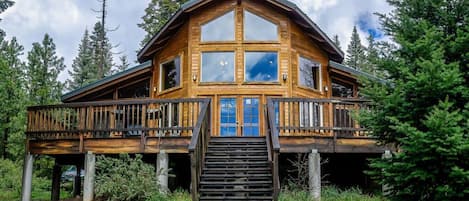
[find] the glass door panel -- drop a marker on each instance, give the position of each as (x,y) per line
(228,123)
(250,117)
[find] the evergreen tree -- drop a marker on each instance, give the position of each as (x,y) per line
(82,66)
(4,4)
(336,41)
(372,57)
(156,15)
(423,109)
(43,69)
(355,51)
(102,53)
(12,100)
(124,63)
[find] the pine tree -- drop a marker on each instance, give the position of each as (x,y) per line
(372,57)
(156,15)
(124,63)
(423,109)
(4,4)
(355,51)
(336,41)
(42,71)
(82,66)
(102,53)
(12,100)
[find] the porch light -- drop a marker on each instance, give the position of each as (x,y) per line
(284,76)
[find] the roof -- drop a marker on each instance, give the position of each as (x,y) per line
(158,41)
(353,71)
(106,80)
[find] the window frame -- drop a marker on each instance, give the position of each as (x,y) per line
(160,84)
(320,85)
(235,13)
(261,82)
(201,81)
(262,17)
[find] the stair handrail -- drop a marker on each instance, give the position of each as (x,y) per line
(198,146)
(273,146)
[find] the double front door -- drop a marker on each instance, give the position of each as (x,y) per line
(239,116)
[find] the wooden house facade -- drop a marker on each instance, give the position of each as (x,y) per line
(230,85)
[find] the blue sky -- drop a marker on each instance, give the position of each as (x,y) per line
(66,20)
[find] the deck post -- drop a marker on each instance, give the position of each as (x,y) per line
(27,177)
(77,182)
(386,155)
(162,163)
(88,186)
(55,194)
(315,174)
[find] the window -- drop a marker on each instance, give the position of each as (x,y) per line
(170,74)
(261,67)
(138,90)
(218,67)
(251,117)
(310,74)
(220,29)
(341,89)
(259,29)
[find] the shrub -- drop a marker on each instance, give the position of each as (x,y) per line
(328,193)
(124,178)
(178,195)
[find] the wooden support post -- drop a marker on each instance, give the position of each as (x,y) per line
(88,186)
(162,164)
(77,182)
(27,177)
(55,194)
(315,174)
(386,155)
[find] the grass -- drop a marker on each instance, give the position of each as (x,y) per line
(329,194)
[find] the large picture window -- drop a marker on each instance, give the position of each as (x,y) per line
(218,67)
(310,74)
(261,67)
(170,74)
(259,29)
(220,29)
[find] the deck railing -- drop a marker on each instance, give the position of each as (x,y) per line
(198,147)
(273,146)
(114,119)
(317,117)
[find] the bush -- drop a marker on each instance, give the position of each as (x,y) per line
(178,195)
(124,178)
(10,183)
(328,194)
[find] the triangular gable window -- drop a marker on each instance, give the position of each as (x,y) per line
(258,28)
(220,29)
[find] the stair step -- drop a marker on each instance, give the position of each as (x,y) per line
(237,152)
(237,169)
(238,157)
(237,190)
(250,183)
(234,176)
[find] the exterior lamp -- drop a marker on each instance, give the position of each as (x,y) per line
(284,76)
(194,77)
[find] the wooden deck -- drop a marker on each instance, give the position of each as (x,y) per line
(150,125)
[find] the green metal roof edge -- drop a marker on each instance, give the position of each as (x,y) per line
(287,3)
(355,71)
(106,80)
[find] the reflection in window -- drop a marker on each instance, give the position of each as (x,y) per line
(341,89)
(137,90)
(227,117)
(218,67)
(261,67)
(219,29)
(170,74)
(251,117)
(309,73)
(258,28)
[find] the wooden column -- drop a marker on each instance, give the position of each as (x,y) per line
(55,194)
(27,177)
(77,182)
(88,186)
(162,163)
(315,174)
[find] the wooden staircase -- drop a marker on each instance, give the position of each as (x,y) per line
(236,168)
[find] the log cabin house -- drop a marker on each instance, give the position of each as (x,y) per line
(224,90)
